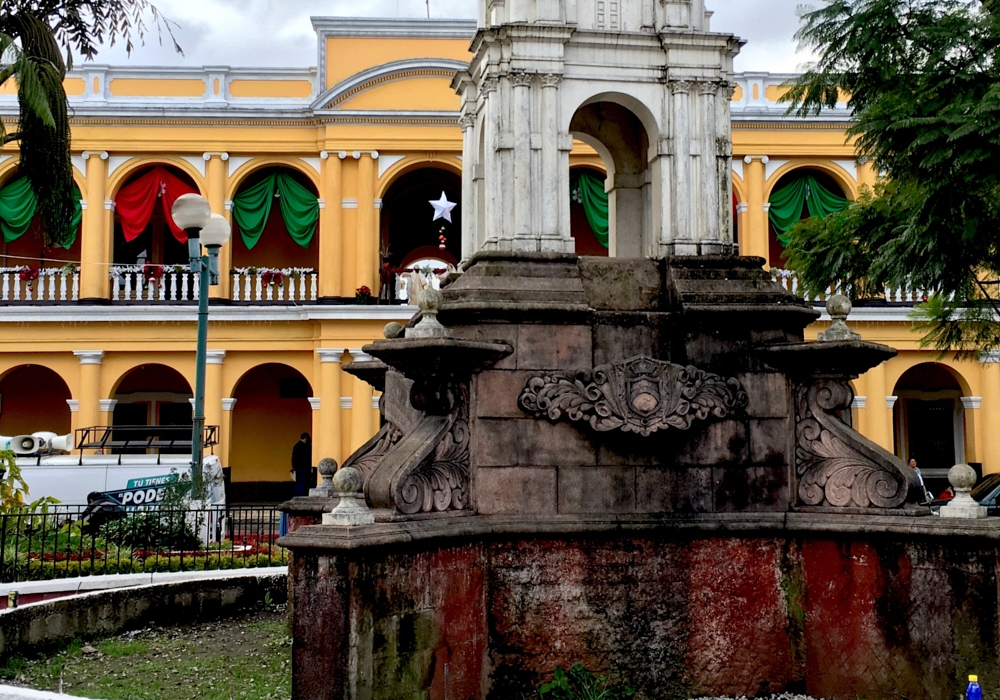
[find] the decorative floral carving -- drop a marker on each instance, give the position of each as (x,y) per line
(366,459)
(441,482)
(836,466)
(640,395)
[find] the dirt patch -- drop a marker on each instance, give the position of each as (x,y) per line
(246,657)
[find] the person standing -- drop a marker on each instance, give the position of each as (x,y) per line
(913,465)
(302,465)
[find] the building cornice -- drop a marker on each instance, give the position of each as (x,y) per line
(395,27)
(165,313)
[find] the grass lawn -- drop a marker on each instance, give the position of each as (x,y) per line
(248,657)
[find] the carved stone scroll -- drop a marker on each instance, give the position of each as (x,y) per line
(836,466)
(640,395)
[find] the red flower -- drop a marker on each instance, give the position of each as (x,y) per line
(152,273)
(273,277)
(363,291)
(28,273)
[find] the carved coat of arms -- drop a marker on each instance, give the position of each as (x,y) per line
(640,395)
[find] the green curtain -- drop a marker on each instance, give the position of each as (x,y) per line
(299,209)
(802,190)
(17,209)
(590,193)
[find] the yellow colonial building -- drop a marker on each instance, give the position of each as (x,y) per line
(328,174)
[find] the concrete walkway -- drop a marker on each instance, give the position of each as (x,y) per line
(9,692)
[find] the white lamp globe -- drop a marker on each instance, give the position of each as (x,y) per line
(216,232)
(191,211)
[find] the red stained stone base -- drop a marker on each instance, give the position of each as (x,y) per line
(674,617)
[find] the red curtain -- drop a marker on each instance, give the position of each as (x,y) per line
(136,200)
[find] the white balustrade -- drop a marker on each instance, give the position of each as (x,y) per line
(52,284)
(290,284)
(899,295)
(130,283)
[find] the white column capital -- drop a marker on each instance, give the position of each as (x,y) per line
(359,355)
(330,354)
(890,401)
(108,405)
(972,402)
(314,402)
(750,159)
(227,404)
(375,400)
(859,402)
(103,155)
(90,357)
(74,405)
(215,357)
(207,156)
(346,402)
(990,358)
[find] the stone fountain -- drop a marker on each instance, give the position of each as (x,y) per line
(636,463)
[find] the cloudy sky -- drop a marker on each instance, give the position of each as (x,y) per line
(251,33)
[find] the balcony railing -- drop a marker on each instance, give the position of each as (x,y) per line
(27,283)
(899,295)
(290,284)
(153,283)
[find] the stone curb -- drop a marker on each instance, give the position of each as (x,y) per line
(10,692)
(86,584)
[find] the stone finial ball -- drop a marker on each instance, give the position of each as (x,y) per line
(430,299)
(838,305)
(962,476)
(347,480)
(327,467)
(393,329)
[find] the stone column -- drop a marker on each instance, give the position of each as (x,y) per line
(225,441)
(89,390)
(213,388)
(215,176)
(469,162)
(876,419)
(709,230)
(108,411)
(551,194)
(361,404)
(683,241)
(991,402)
(743,224)
(492,216)
(350,236)
(753,239)
(331,226)
(366,266)
(316,403)
(96,242)
(522,161)
(328,435)
(973,425)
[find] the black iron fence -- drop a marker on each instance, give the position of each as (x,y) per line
(67,541)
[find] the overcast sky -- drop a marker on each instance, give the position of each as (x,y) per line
(252,33)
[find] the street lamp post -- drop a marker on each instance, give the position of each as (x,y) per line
(192,213)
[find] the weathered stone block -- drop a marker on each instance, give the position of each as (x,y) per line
(516,490)
(542,346)
(667,490)
(596,490)
(741,489)
(722,442)
(495,393)
(491,333)
(768,395)
(772,442)
(529,442)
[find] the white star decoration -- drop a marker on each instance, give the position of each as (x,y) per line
(442,208)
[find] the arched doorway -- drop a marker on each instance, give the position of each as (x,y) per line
(929,421)
(39,265)
(271,411)
(153,395)
(588,211)
(33,399)
(619,137)
(799,194)
(418,237)
(275,241)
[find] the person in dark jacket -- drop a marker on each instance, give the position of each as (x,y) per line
(302,465)
(100,509)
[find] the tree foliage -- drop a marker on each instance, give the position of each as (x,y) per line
(922,79)
(33,36)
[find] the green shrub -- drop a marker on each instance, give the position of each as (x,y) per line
(580,684)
